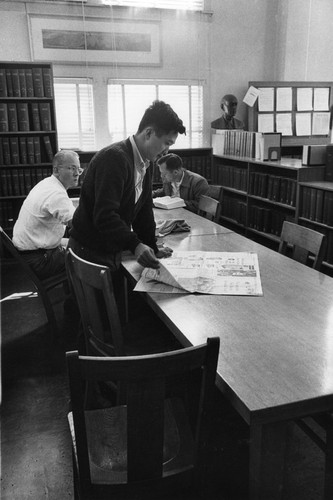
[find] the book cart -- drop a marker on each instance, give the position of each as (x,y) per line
(28,133)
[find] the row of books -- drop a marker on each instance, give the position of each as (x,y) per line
(26,82)
(19,181)
(6,214)
(25,150)
(233,177)
(234,209)
(202,165)
(317,205)
(266,220)
(273,187)
(25,117)
(241,143)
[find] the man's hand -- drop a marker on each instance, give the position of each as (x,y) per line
(164,252)
(146,256)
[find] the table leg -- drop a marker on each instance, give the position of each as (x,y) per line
(267,458)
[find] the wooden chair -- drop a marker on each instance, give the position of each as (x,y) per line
(103,332)
(304,241)
(43,286)
(148,445)
(215,191)
(209,207)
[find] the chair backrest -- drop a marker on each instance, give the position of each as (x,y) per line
(304,241)
(215,191)
(93,289)
(209,207)
(153,449)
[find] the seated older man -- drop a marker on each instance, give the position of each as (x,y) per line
(177,181)
(44,215)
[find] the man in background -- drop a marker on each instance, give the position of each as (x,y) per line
(177,181)
(115,212)
(228,121)
(44,215)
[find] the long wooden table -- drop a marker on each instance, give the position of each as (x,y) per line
(276,352)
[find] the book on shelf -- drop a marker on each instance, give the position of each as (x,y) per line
(4,124)
(15,182)
(23,150)
(45,116)
(27,180)
(30,150)
(313,204)
(14,150)
(168,202)
(319,206)
(328,208)
(9,83)
(1,153)
(47,82)
(16,82)
(23,116)
(29,82)
(37,78)
(314,154)
(3,83)
(48,148)
(35,116)
(22,81)
(21,181)
(6,150)
(267,146)
(12,117)
(37,150)
(9,183)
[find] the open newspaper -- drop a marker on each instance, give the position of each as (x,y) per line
(217,273)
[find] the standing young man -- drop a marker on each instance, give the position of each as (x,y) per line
(115,212)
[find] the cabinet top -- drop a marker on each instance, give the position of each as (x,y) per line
(285,162)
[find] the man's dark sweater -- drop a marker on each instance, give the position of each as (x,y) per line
(107,209)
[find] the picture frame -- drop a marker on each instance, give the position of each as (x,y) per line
(95,41)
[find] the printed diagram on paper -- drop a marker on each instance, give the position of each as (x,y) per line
(217,273)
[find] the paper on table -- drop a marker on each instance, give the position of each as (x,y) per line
(216,273)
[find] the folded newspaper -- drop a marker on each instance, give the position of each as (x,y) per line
(216,273)
(164,227)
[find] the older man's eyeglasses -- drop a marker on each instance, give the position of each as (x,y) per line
(74,170)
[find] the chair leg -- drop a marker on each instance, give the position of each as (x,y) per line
(49,313)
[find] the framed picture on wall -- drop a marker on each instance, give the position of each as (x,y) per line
(95,41)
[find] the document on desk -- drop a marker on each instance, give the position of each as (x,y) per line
(216,273)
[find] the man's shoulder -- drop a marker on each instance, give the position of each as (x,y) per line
(120,149)
(218,123)
(193,175)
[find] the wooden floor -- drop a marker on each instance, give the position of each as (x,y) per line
(35,449)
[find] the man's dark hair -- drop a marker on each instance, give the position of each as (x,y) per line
(162,118)
(172,161)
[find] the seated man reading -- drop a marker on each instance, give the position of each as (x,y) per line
(177,181)
(44,215)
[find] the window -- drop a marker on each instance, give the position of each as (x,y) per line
(128,101)
(159,4)
(75,113)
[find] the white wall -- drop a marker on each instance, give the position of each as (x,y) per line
(243,40)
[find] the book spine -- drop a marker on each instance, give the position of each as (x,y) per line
(12,117)
(23,150)
(9,83)
(3,83)
(319,205)
(23,83)
(15,182)
(35,116)
(6,150)
(37,150)
(16,83)
(1,153)
(48,148)
(29,82)
(14,150)
(30,150)
(21,181)
(27,180)
(47,81)
(23,116)
(37,78)
(4,124)
(45,116)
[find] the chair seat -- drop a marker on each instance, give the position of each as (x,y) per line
(107,441)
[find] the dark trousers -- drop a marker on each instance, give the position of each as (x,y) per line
(46,263)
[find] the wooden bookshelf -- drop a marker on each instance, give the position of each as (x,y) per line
(28,133)
(315,210)
(293,140)
(257,196)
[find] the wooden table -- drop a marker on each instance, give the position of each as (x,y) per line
(276,352)
(199,225)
